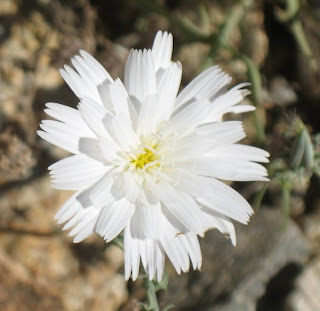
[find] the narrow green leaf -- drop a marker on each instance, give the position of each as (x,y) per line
(286,191)
(290,11)
(298,150)
(254,78)
(151,295)
(164,282)
(118,241)
(308,150)
(259,196)
(168,307)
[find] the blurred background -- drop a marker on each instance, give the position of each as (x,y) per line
(274,44)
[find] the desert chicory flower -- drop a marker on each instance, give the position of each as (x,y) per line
(148,162)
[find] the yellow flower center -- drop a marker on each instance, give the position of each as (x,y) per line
(145,159)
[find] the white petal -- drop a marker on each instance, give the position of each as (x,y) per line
(181,205)
(76,172)
(91,148)
(231,169)
(190,148)
(191,244)
(229,162)
(205,140)
(75,82)
(116,99)
(162,50)
(68,209)
(190,115)
(140,77)
(227,132)
(222,223)
(59,127)
(100,74)
(88,76)
(93,114)
(242,108)
(176,253)
(207,85)
(150,252)
(132,185)
(216,195)
(146,222)
(147,119)
(70,116)
(226,102)
(157,266)
(85,72)
(105,96)
(179,246)
(120,129)
(152,257)
(78,211)
(102,193)
(113,218)
(175,221)
(79,216)
(86,225)
(60,134)
(131,255)
(241,152)
(120,98)
(81,86)
(109,126)
(109,149)
(64,134)
(168,86)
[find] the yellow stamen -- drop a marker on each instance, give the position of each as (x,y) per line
(145,157)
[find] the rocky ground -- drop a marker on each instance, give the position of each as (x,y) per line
(276,264)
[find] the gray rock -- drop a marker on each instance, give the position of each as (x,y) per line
(235,278)
(306,295)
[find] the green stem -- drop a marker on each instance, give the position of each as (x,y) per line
(259,197)
(260,135)
(286,191)
(151,295)
(255,79)
(291,10)
(301,38)
(188,28)
(233,19)
(290,15)
(204,17)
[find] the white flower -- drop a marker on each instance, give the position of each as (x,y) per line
(147,162)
